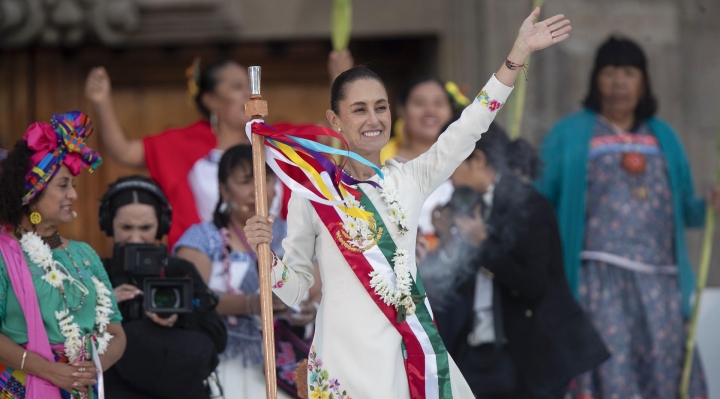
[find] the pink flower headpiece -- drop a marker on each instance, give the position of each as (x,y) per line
(62,142)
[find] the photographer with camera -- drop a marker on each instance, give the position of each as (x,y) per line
(174,333)
(514,327)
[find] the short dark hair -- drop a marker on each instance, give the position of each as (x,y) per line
(494,144)
(523,159)
(619,51)
(338,92)
(207,83)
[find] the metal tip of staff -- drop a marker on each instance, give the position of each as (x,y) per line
(254,74)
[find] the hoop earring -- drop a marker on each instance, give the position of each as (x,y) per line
(35,218)
(214,121)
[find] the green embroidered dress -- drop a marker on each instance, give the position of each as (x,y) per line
(86,264)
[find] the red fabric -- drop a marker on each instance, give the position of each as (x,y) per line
(309,132)
(415,360)
(170,156)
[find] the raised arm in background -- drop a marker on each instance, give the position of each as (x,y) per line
(127,152)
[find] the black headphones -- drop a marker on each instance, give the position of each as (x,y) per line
(135,183)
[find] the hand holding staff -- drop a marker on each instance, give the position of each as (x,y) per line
(257,108)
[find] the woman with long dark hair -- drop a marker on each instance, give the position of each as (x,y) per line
(222,255)
(59,322)
(621,185)
(181,159)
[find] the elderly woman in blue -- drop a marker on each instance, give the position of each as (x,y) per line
(621,185)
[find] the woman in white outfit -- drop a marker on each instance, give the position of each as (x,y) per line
(375,337)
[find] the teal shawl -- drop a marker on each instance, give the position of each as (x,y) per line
(564,153)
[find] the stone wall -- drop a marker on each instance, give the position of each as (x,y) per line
(680,40)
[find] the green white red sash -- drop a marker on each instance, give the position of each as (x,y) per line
(426,359)
(302,165)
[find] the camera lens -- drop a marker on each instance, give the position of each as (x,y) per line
(165,297)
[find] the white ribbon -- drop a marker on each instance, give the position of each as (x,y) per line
(272,156)
(98,366)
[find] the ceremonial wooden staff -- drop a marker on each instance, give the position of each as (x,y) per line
(257,108)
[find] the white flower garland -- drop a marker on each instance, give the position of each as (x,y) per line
(400,295)
(55,274)
(362,235)
(397,212)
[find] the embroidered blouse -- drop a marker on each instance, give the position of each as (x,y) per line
(86,264)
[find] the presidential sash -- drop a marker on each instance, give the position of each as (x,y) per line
(317,178)
(426,359)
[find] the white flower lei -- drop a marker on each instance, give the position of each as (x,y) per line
(400,295)
(397,212)
(361,233)
(55,274)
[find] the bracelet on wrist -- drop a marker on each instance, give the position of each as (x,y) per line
(513,66)
(22,364)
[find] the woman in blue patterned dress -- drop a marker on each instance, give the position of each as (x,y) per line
(622,188)
(221,254)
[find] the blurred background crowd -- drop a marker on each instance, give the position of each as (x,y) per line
(618,134)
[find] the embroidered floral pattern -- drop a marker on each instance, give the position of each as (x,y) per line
(285,272)
(484,99)
(358,235)
(320,385)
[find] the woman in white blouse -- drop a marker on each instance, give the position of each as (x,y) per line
(375,337)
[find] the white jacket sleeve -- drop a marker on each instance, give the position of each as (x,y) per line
(293,275)
(432,168)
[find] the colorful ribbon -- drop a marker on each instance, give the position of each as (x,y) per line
(62,142)
(322,180)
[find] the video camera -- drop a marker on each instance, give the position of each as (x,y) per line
(146,267)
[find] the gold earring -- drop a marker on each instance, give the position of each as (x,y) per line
(35,218)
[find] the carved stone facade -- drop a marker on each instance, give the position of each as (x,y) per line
(70,23)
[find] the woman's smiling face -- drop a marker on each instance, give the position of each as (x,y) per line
(426,111)
(364,117)
(55,201)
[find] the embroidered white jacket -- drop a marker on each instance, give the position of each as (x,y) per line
(356,343)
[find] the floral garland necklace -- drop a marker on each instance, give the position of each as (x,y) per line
(363,232)
(55,275)
(397,213)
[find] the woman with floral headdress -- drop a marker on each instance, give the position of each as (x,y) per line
(59,323)
(181,159)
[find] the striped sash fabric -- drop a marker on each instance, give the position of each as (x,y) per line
(426,359)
